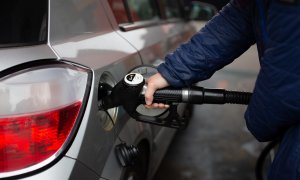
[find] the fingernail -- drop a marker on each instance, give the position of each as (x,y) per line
(148,102)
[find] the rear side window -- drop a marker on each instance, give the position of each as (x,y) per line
(141,10)
(118,7)
(172,9)
(23,22)
(129,11)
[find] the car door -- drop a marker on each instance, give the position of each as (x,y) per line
(154,28)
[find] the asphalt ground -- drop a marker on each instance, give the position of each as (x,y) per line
(217,144)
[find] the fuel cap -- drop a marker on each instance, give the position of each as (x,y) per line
(133,79)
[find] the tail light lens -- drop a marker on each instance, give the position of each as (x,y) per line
(39,109)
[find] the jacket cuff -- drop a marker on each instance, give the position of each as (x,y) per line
(169,76)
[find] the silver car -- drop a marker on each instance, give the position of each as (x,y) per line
(54,54)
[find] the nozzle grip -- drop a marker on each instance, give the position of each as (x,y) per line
(165,96)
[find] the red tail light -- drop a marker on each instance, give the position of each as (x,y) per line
(39,117)
(32,138)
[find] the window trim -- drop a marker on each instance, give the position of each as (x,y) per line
(143,24)
(9,45)
(127,9)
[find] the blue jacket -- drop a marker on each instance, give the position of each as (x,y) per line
(274,110)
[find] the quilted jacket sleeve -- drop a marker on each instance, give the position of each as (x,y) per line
(224,38)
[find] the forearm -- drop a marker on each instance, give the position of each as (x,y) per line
(223,39)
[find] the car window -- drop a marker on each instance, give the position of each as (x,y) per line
(23,22)
(119,11)
(172,9)
(202,11)
(141,10)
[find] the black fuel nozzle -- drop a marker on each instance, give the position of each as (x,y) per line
(125,93)
(130,91)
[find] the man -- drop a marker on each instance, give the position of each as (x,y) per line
(274,110)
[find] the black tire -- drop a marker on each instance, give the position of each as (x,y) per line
(139,170)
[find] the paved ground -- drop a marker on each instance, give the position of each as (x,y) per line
(217,144)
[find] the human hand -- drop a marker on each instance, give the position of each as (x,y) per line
(154,83)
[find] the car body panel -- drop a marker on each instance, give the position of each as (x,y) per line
(77,38)
(17,55)
(93,45)
(66,168)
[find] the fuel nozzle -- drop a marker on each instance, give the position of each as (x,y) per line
(129,93)
(126,93)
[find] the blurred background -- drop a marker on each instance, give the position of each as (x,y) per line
(217,3)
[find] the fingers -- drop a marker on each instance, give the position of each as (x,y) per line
(149,93)
(157,106)
(154,83)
